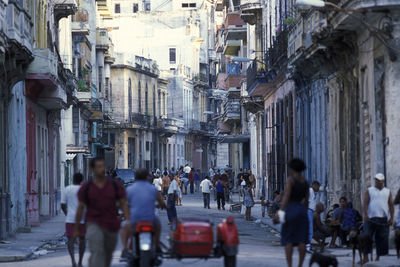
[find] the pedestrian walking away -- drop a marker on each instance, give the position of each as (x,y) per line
(312,203)
(102,198)
(157,182)
(197,180)
(191,181)
(248,201)
(219,186)
(378,216)
(206,186)
(293,212)
(165,184)
(172,196)
(69,205)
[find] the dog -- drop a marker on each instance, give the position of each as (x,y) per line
(323,260)
(397,242)
(360,242)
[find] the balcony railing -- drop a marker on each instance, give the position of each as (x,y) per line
(255,74)
(141,119)
(19,26)
(102,39)
(233,20)
(276,56)
(233,69)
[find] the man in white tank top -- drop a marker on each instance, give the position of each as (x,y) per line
(378,215)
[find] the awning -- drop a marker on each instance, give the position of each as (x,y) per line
(77,149)
(70,156)
(240,138)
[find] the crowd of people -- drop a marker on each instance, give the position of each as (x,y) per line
(300,213)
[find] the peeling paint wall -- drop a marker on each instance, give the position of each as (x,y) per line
(17,156)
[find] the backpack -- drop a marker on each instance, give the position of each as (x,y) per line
(87,187)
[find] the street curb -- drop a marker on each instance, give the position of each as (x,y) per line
(27,255)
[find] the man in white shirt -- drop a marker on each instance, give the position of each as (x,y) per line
(187,170)
(312,203)
(378,210)
(205,186)
(172,195)
(157,182)
(69,205)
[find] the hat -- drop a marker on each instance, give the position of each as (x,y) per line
(379,177)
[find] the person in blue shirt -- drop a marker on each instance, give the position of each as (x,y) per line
(219,185)
(142,197)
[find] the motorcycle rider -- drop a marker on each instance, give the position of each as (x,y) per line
(142,197)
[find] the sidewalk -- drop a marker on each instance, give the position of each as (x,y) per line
(22,246)
(344,256)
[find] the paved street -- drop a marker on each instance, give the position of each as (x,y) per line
(259,244)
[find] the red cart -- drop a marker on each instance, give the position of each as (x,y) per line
(189,238)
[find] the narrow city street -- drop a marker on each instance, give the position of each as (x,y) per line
(258,246)
(259,243)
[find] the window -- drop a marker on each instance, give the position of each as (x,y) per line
(117,8)
(106,87)
(130,100)
(75,119)
(192,5)
(135,8)
(100,78)
(146,100)
(185,5)
(147,146)
(154,101)
(172,55)
(140,97)
(147,6)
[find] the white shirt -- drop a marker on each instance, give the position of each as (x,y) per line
(378,202)
(312,200)
(70,197)
(157,182)
(212,173)
(173,187)
(187,169)
(205,186)
(243,183)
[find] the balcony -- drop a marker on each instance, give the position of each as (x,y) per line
(232,111)
(141,120)
(64,8)
(43,80)
(235,27)
(250,10)
(19,26)
(168,127)
(80,22)
(45,64)
(219,5)
(102,39)
(234,76)
(256,77)
(232,47)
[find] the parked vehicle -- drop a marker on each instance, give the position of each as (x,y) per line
(126,175)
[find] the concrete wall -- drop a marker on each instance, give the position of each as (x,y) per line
(17,156)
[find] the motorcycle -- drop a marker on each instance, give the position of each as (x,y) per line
(143,246)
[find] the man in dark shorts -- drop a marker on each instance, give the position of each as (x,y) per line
(69,205)
(102,198)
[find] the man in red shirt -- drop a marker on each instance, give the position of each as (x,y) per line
(102,198)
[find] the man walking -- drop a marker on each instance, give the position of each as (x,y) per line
(219,185)
(165,184)
(191,181)
(172,197)
(312,203)
(205,186)
(69,205)
(378,206)
(102,198)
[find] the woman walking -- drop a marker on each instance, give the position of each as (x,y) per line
(293,212)
(248,201)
